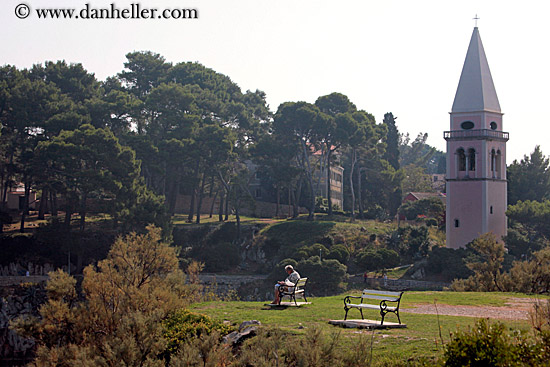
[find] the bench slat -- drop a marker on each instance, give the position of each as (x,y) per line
(381,298)
(388,293)
(366,305)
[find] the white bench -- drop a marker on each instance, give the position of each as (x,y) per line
(368,294)
(298,288)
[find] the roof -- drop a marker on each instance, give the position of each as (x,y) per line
(476,90)
(425,195)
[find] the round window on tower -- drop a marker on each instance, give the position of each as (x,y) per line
(467,125)
(493,125)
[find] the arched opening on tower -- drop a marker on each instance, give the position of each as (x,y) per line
(471,159)
(461,159)
(493,162)
(498,163)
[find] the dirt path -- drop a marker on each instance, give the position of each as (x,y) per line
(515,309)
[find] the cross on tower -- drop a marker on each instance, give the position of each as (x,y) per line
(476,19)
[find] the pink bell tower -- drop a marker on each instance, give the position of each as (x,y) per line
(476,154)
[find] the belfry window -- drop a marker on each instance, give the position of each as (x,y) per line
(471,159)
(461,159)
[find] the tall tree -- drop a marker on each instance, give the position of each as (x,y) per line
(340,126)
(392,156)
(529,179)
(300,122)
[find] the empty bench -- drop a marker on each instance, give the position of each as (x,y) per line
(297,289)
(382,298)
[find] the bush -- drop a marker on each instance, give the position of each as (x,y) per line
(340,253)
(218,257)
(183,325)
(447,262)
(490,345)
(324,277)
(376,259)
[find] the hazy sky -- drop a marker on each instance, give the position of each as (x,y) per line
(397,56)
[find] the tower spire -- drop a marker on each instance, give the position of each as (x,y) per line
(476,90)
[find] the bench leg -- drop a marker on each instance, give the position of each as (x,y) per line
(346,316)
(360,310)
(398,319)
(294,297)
(383,314)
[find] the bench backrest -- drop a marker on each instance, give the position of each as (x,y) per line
(301,283)
(381,295)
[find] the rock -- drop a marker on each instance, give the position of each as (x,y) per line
(247,330)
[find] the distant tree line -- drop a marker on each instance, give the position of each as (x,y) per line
(137,140)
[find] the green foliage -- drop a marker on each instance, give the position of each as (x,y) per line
(373,259)
(529,179)
(340,253)
(411,242)
(531,276)
(183,325)
(485,260)
(533,215)
(431,207)
(126,297)
(324,276)
(490,344)
(447,263)
(314,250)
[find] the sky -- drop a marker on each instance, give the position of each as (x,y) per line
(397,56)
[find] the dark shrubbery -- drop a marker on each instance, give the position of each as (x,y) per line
(448,263)
(376,259)
(325,277)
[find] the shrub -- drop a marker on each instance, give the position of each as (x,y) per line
(324,277)
(340,253)
(376,259)
(183,325)
(490,345)
(448,263)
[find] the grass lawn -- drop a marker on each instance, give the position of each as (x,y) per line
(420,339)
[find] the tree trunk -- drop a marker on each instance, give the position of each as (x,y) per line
(289,202)
(199,204)
(220,215)
(359,194)
(352,167)
(43,203)
(53,201)
(329,191)
(226,207)
(83,211)
(68,212)
(212,204)
(174,191)
(278,201)
(193,192)
(25,205)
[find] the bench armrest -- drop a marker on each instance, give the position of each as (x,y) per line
(347,299)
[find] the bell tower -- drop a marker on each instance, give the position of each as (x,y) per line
(476,154)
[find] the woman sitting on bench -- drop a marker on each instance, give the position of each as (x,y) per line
(287,284)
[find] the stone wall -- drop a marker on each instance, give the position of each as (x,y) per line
(224,284)
(17,269)
(401,284)
(18,301)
